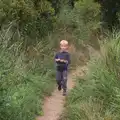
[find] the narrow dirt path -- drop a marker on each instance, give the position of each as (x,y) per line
(54,105)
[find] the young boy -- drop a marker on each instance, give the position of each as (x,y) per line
(62,59)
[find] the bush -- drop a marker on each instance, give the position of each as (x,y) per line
(81,21)
(98,96)
(29,34)
(26,78)
(31,19)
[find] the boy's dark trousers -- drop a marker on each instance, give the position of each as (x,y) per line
(61,77)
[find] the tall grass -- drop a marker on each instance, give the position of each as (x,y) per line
(97,97)
(25,78)
(26,56)
(79,22)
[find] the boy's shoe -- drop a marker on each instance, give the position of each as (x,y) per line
(64,93)
(59,87)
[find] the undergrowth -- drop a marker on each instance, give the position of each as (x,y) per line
(29,36)
(25,78)
(97,97)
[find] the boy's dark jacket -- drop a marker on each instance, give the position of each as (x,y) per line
(61,66)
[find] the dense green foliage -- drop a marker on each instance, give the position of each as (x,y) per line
(83,20)
(29,34)
(27,17)
(26,73)
(25,79)
(98,95)
(110,13)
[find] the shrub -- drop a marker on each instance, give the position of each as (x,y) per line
(81,21)
(98,96)
(25,79)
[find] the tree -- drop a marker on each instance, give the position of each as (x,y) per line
(109,12)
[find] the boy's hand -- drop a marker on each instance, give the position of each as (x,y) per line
(65,61)
(61,60)
(57,60)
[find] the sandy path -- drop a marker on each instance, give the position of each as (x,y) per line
(54,105)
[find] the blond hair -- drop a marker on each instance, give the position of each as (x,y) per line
(63,42)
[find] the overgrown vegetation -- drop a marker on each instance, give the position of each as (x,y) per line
(26,72)
(25,79)
(98,95)
(29,34)
(110,13)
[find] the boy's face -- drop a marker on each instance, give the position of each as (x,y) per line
(64,47)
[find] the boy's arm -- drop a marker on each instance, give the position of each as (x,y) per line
(68,58)
(68,61)
(56,58)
